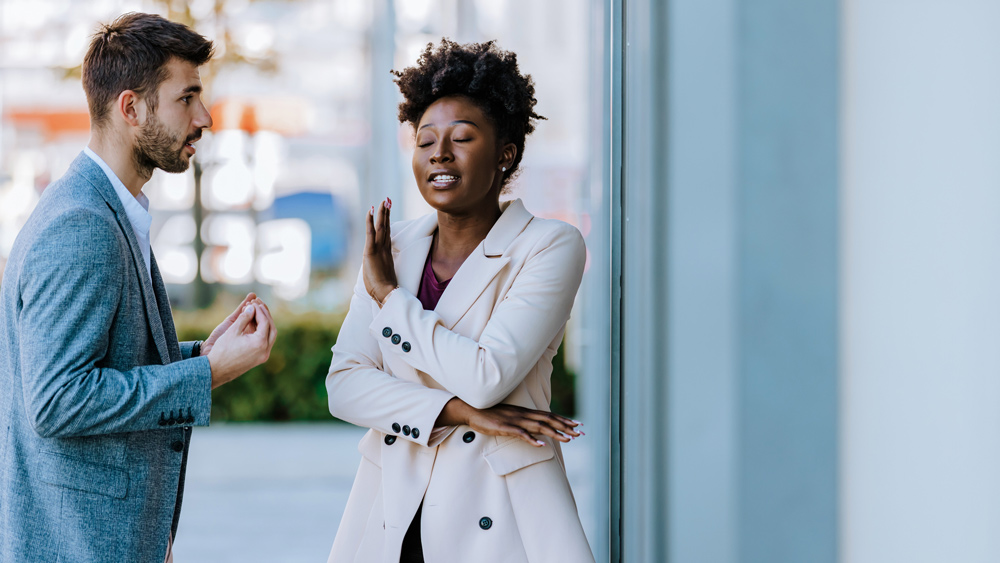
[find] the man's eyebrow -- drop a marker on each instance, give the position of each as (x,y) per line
(456,122)
(192,89)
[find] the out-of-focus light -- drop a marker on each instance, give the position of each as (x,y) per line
(76,43)
(256,39)
(284,261)
(230,186)
(412,15)
(171,192)
(353,14)
(17,199)
(268,151)
(177,264)
(230,256)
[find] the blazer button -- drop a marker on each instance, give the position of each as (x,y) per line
(387,332)
(469,437)
(415,433)
(171,420)
(396,339)
(390,439)
(406,346)
(163,420)
(395,427)
(485,523)
(406,430)
(177,446)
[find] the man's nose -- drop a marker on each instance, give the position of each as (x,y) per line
(204,118)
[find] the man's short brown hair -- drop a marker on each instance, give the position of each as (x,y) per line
(131,53)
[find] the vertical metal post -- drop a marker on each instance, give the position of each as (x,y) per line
(615,86)
(383,162)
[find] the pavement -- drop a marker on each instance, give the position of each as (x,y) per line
(274,493)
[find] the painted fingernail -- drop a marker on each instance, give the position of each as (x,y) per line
(390,202)
(539,442)
(248,309)
(578,423)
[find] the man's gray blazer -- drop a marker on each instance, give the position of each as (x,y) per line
(97,397)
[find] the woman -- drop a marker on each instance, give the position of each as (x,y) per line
(447,349)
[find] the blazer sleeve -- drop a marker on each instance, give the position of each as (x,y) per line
(483,372)
(362,393)
(71,285)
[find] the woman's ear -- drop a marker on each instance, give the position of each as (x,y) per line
(507,154)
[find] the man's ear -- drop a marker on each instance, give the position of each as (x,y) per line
(131,108)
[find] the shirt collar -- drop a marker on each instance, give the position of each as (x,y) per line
(136,207)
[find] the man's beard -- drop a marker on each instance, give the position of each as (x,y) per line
(154,148)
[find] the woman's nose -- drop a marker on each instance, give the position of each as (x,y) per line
(441,154)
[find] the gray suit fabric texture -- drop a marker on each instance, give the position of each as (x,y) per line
(97,396)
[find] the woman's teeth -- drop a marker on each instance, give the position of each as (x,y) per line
(443,179)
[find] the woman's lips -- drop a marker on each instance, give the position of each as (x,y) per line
(441,181)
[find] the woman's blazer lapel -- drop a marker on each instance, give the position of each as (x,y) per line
(410,250)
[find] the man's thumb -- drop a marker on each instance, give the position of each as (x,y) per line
(245,317)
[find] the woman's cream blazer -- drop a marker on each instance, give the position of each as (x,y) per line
(490,340)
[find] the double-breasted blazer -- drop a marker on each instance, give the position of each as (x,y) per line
(490,340)
(97,396)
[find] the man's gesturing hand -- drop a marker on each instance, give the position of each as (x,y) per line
(244,344)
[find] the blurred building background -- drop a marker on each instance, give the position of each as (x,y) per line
(785,349)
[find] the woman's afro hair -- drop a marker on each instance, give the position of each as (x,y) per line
(480,71)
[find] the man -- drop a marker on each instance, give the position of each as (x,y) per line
(97,397)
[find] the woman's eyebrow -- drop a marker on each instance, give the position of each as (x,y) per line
(456,122)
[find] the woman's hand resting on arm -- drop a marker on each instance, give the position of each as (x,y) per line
(509,420)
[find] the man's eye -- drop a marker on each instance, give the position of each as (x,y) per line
(462,140)
(186,99)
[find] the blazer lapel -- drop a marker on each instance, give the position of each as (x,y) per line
(482,265)
(163,302)
(409,252)
(93,173)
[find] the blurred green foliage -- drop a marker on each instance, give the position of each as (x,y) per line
(291,385)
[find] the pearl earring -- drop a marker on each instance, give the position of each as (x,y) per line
(503,168)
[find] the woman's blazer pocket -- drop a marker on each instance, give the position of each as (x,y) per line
(511,454)
(79,475)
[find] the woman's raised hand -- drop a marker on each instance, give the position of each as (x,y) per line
(510,420)
(378,270)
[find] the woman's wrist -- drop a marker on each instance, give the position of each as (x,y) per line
(454,413)
(382,293)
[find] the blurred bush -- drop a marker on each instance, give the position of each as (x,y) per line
(291,384)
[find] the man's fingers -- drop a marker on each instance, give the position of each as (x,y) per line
(244,319)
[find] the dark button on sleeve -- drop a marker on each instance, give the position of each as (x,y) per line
(406,430)
(485,523)
(177,446)
(171,420)
(406,346)
(415,433)
(469,437)
(389,439)
(396,339)
(163,420)
(395,427)
(387,332)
